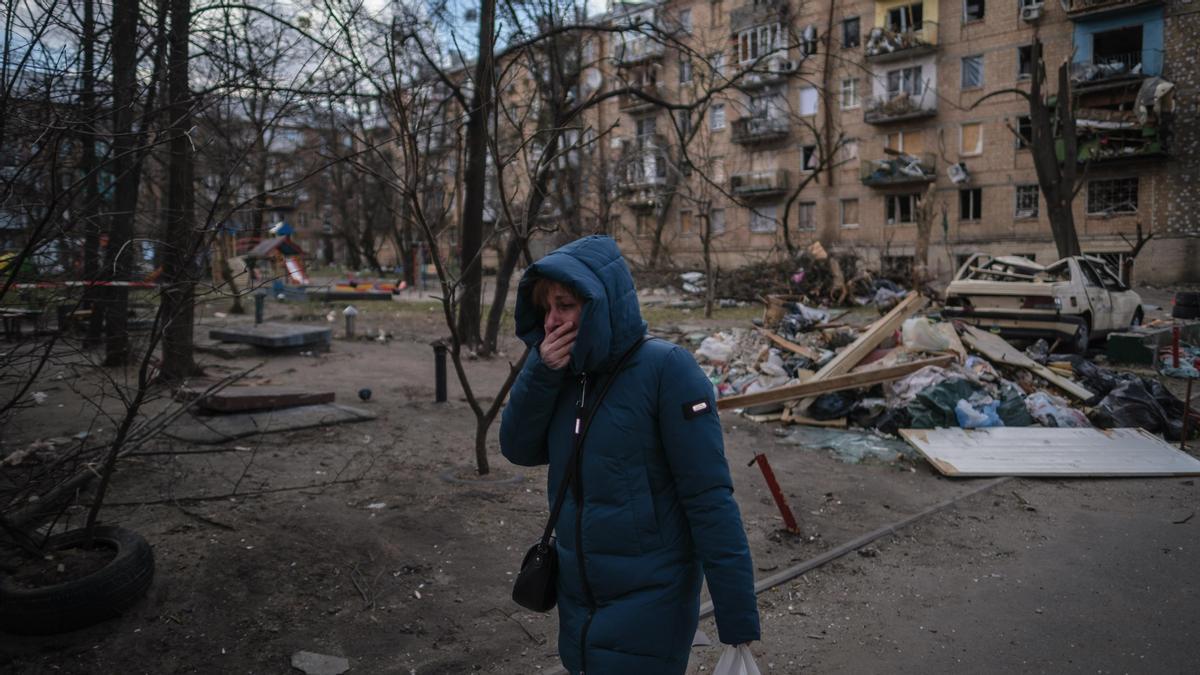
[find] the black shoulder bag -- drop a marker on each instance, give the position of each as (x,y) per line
(536,584)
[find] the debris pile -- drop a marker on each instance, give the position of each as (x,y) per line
(808,366)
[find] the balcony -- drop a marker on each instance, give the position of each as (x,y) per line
(1082,8)
(759,184)
(760,129)
(1109,68)
(899,170)
(773,71)
(884,46)
(900,107)
(643,170)
(757,12)
(1114,136)
(631,103)
(634,50)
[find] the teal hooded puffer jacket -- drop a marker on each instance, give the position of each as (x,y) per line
(657,508)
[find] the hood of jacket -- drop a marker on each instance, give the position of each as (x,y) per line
(610,320)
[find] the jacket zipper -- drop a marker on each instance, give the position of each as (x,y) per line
(587,588)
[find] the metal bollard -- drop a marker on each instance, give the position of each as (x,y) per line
(439,371)
(350,314)
(260,300)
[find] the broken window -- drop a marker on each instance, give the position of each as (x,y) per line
(1024,62)
(809,160)
(972,71)
(1027,203)
(972,10)
(762,219)
(1024,131)
(756,43)
(970,204)
(905,19)
(1112,196)
(1118,51)
(808,215)
(851,32)
(900,208)
(904,81)
(686,222)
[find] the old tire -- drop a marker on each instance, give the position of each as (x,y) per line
(75,604)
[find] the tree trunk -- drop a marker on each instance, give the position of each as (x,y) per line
(475,179)
(91,185)
(119,256)
(504,272)
(710,283)
(1057,178)
(179,278)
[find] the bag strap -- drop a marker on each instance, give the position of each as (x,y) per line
(582,424)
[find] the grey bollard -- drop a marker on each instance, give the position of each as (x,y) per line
(350,313)
(260,300)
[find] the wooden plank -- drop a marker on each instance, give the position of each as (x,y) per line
(246,399)
(780,341)
(871,338)
(208,430)
(997,349)
(838,383)
(1049,452)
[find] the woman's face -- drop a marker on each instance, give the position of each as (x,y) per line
(563,307)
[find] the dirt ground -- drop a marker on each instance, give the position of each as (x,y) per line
(365,541)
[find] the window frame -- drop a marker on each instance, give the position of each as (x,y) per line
(853,82)
(1021,77)
(758,216)
(842,213)
(962,80)
(962,150)
(847,41)
(1037,202)
(1095,183)
(811,208)
(970,202)
(982,11)
(808,154)
(685,71)
(1024,120)
(715,112)
(913,199)
(750,47)
(712,222)
(816,101)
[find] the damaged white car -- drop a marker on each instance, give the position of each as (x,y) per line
(1071,301)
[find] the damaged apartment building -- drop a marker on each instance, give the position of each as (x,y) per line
(855,119)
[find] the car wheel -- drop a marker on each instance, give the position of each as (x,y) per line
(1083,337)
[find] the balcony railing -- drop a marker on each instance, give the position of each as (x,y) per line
(759,183)
(770,71)
(1111,136)
(756,12)
(634,103)
(644,162)
(1108,67)
(629,51)
(883,45)
(1078,8)
(903,106)
(899,170)
(760,129)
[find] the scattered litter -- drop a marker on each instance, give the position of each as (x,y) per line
(39,397)
(312,663)
(377,505)
(848,445)
(1052,411)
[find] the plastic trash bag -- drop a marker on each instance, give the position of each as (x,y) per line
(832,406)
(977,417)
(736,661)
(716,348)
(1052,411)
(921,334)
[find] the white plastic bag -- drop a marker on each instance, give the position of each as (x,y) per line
(736,661)
(920,333)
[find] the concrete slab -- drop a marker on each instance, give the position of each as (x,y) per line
(207,430)
(275,335)
(253,399)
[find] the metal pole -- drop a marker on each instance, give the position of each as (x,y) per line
(1187,413)
(439,371)
(260,299)
(1175,346)
(784,510)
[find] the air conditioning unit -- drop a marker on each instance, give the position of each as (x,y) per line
(958,173)
(1031,13)
(781,66)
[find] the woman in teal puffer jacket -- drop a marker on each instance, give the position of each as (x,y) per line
(653,507)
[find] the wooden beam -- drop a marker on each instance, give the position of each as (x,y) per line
(830,384)
(997,350)
(780,341)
